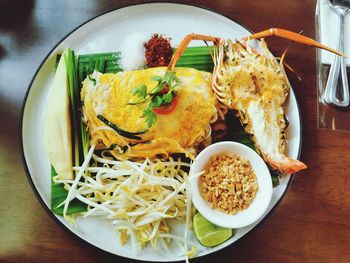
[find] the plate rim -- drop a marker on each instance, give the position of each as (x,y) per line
(29,176)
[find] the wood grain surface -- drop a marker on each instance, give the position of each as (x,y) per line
(311,224)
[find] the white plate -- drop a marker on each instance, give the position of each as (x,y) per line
(104,34)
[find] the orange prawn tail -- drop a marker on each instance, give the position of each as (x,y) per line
(287,165)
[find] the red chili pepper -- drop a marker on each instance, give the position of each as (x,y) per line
(167,108)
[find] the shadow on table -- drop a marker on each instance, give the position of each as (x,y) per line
(16,24)
(19,10)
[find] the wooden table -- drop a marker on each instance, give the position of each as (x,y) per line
(310,225)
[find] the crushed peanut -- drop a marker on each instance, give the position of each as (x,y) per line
(229,183)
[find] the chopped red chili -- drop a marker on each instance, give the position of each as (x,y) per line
(158,51)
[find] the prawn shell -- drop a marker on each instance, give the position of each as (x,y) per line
(255,85)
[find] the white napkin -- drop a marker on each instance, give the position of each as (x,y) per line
(328,22)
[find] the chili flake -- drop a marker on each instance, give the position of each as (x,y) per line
(158,51)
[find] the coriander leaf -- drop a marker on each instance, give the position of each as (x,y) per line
(167,97)
(156,102)
(170,77)
(163,93)
(156,78)
(167,80)
(140,91)
(150,117)
(177,80)
(136,102)
(157,89)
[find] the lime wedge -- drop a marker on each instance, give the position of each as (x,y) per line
(207,233)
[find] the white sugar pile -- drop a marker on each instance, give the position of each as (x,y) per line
(133,51)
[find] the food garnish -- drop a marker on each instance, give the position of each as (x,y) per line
(229,183)
(158,51)
(127,134)
(162,98)
(209,234)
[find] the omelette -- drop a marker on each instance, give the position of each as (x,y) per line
(182,130)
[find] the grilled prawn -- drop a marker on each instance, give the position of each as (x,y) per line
(254,84)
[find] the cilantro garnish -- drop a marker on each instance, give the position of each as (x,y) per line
(163,93)
(140,91)
(149,116)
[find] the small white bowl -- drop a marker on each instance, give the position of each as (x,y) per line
(259,204)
